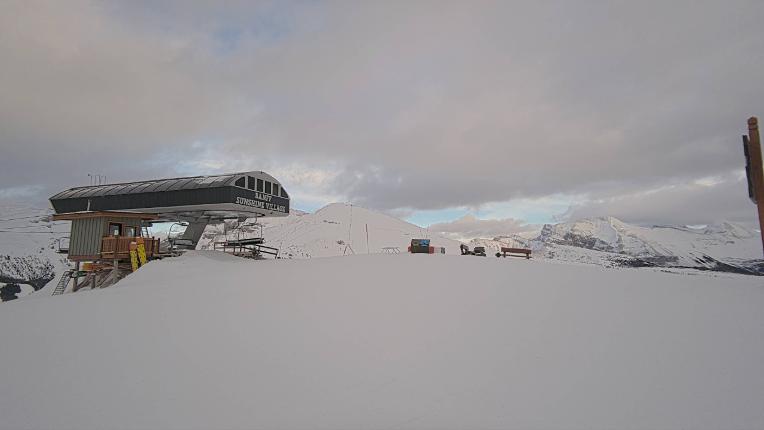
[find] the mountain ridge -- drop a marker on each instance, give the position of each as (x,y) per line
(722,246)
(31,238)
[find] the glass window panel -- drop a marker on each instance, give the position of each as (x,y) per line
(115,229)
(109,190)
(241,182)
(165,185)
(121,189)
(267,187)
(88,192)
(152,187)
(220,181)
(260,186)
(250,183)
(180,184)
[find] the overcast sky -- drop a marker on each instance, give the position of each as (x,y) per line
(511,113)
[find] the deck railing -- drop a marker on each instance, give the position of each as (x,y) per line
(118,247)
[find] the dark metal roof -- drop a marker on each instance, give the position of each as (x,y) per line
(185,183)
(192,197)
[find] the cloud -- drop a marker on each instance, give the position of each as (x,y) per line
(395,106)
(469,227)
(704,201)
(15,193)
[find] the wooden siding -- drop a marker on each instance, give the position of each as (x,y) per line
(85,237)
(86,234)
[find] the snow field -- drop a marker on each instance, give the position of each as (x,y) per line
(379,341)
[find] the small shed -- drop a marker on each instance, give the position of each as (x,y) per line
(106,235)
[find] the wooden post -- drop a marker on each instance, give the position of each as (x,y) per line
(757,171)
(75,286)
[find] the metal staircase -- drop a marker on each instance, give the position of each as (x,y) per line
(63,283)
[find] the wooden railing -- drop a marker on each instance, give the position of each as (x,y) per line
(118,247)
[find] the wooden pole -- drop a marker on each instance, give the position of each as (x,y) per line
(757,171)
(76,286)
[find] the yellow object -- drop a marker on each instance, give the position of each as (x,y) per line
(86,267)
(142,253)
(134,260)
(133,256)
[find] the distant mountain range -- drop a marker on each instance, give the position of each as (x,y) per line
(340,229)
(29,257)
(29,242)
(608,241)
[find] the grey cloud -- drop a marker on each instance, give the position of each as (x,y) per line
(419,105)
(680,204)
(469,227)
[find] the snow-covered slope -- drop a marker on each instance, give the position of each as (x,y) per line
(28,257)
(611,242)
(387,341)
(336,229)
(28,250)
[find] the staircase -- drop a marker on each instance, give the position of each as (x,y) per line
(63,282)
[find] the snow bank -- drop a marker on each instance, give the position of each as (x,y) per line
(406,341)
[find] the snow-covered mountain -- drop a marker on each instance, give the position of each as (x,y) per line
(609,241)
(340,229)
(29,258)
(336,229)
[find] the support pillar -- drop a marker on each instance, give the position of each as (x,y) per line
(193,233)
(76,286)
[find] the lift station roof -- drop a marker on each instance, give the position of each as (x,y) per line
(233,195)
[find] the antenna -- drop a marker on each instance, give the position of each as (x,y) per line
(96,179)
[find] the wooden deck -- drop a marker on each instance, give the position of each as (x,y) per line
(118,247)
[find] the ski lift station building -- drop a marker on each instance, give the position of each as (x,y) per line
(98,212)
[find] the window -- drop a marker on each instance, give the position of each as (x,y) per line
(276,189)
(250,183)
(267,187)
(115,229)
(240,182)
(260,185)
(284,193)
(130,231)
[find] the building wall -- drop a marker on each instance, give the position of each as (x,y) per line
(85,237)
(86,234)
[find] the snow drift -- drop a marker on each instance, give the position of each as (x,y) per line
(375,341)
